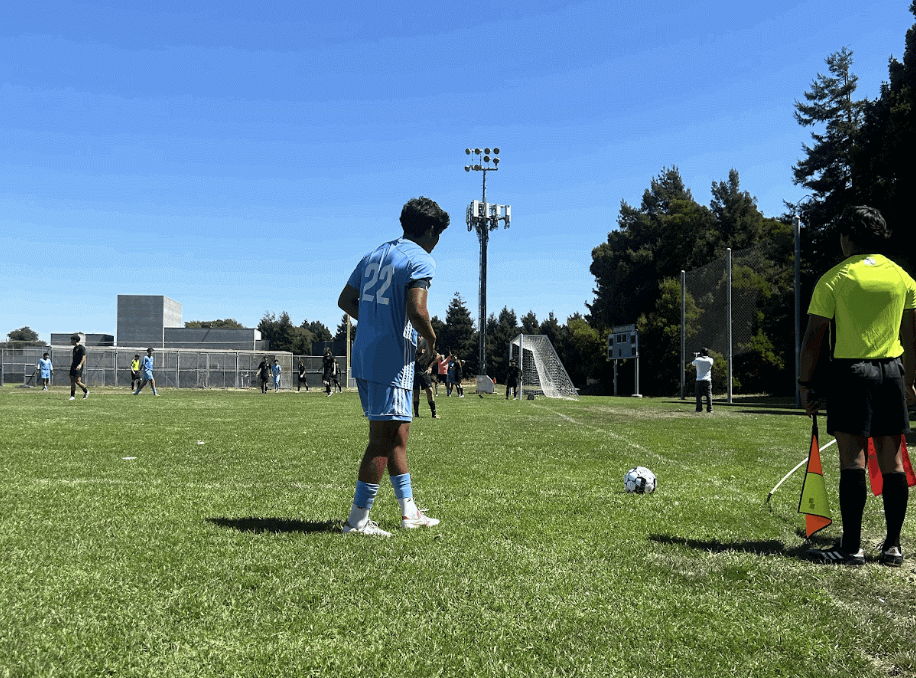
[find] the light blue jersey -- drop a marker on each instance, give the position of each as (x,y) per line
(147,367)
(385,343)
(45,367)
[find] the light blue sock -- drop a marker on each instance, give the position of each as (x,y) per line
(404,492)
(363,499)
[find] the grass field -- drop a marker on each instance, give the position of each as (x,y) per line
(198,534)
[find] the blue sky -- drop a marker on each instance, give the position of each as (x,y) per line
(240,157)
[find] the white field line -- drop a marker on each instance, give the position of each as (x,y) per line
(615,436)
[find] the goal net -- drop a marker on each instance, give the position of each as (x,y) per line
(541,369)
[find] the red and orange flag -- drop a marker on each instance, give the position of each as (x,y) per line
(813,501)
(874,471)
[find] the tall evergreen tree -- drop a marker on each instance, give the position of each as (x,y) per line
(827,168)
(666,234)
(530,323)
(459,335)
(884,172)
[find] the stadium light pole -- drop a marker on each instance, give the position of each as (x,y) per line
(484,218)
(798,337)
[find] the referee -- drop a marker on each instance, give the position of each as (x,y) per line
(872,301)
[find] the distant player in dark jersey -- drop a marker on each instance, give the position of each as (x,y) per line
(423,381)
(336,377)
(512,378)
(264,373)
(302,378)
(76,367)
(387,294)
(327,367)
(458,375)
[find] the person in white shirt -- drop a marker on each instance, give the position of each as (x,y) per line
(703,363)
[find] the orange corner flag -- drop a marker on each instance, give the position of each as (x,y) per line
(813,502)
(874,471)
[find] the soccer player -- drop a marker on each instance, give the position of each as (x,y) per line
(337,376)
(512,379)
(276,372)
(703,389)
(264,373)
(45,370)
(458,375)
(387,293)
(872,303)
(422,381)
(146,371)
(442,370)
(302,378)
(135,372)
(327,364)
(76,368)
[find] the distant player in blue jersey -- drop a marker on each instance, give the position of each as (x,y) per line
(146,371)
(276,372)
(45,370)
(387,293)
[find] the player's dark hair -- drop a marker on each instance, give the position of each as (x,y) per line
(865,227)
(420,214)
(45,355)
(704,352)
(74,336)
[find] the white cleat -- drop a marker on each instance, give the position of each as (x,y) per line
(422,520)
(371,528)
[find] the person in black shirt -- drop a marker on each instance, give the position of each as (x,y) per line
(302,378)
(327,364)
(264,373)
(512,380)
(76,368)
(458,376)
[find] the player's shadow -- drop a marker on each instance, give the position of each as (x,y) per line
(259,525)
(769,547)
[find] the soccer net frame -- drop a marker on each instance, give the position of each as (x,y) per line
(542,372)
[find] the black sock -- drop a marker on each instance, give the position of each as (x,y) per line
(432,408)
(852,505)
(896,493)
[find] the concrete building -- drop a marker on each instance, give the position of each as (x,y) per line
(63,339)
(143,319)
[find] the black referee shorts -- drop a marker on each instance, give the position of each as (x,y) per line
(868,398)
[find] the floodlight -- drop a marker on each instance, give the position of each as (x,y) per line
(486,158)
(495,161)
(467,168)
(477,151)
(477,167)
(487,151)
(496,151)
(468,151)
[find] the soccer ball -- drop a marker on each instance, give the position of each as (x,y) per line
(640,480)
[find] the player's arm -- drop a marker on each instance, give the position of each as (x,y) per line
(812,342)
(908,339)
(348,301)
(419,317)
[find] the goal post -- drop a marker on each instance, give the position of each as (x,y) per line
(542,373)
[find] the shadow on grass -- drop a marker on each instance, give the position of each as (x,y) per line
(277,525)
(769,547)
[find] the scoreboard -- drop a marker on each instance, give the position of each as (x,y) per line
(623,342)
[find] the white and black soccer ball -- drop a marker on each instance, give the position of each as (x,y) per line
(640,480)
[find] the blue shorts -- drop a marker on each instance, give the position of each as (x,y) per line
(147,375)
(384,403)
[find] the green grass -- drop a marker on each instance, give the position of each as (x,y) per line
(217,551)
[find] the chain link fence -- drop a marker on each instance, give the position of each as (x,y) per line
(174,368)
(732,304)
